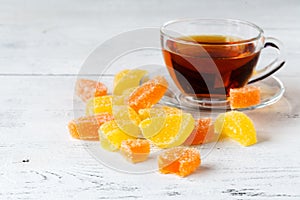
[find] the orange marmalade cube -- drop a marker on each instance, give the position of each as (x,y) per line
(244,97)
(202,133)
(148,94)
(179,160)
(86,128)
(135,150)
(87,89)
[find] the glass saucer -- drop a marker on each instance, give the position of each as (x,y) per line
(272,89)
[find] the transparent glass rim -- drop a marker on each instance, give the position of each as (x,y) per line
(163,30)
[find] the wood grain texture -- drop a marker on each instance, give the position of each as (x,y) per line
(42,46)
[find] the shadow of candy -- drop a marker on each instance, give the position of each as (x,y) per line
(270,116)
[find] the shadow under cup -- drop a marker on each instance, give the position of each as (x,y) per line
(206,58)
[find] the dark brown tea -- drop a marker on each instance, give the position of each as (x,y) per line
(209,65)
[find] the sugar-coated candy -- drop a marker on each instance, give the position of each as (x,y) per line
(202,133)
(179,160)
(148,94)
(119,76)
(127,119)
(236,125)
(168,131)
(99,105)
(87,89)
(86,128)
(111,136)
(244,97)
(135,150)
(158,112)
(127,80)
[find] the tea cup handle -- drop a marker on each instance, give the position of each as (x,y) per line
(274,65)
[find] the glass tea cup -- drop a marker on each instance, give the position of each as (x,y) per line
(207,57)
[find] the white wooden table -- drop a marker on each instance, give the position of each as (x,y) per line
(42,47)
